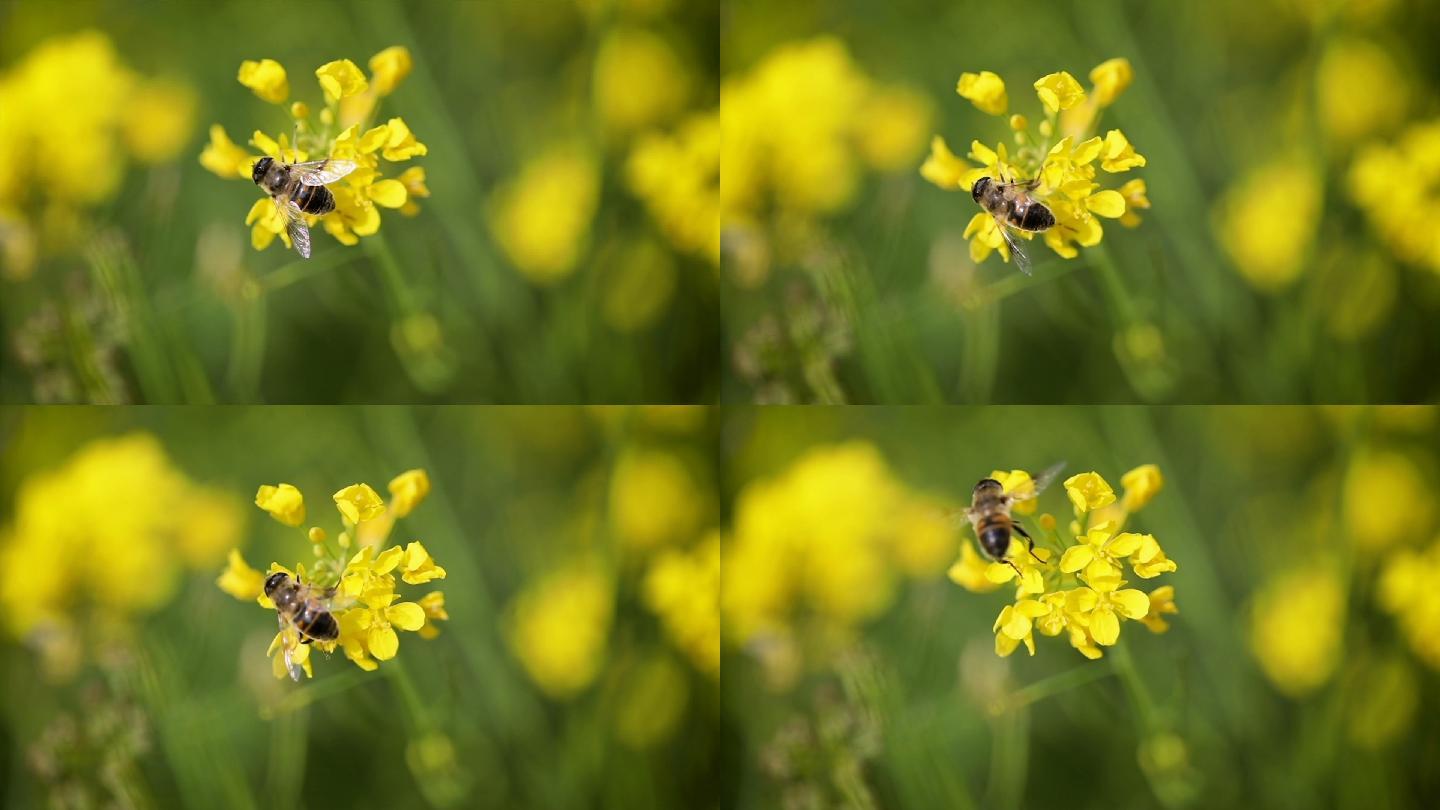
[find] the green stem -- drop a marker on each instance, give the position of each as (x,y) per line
(419,719)
(1135,689)
(1054,685)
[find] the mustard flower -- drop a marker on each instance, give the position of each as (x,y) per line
(1081,595)
(559,625)
(1407,591)
(682,587)
(1058,160)
(345,129)
(677,176)
(542,217)
(359,590)
(1297,626)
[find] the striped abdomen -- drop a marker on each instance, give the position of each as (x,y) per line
(1029,215)
(993,532)
(315,200)
(315,623)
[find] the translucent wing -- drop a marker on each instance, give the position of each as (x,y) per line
(1021,260)
(322,172)
(1040,482)
(295,226)
(288,636)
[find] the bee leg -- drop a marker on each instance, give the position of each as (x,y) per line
(1028,539)
(306,639)
(1012,564)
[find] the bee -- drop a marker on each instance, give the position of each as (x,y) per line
(299,189)
(989,514)
(304,614)
(1012,207)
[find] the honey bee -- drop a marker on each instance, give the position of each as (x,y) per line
(299,189)
(989,514)
(304,615)
(1012,207)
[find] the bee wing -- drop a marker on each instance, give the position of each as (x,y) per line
(295,226)
(288,636)
(323,172)
(1021,260)
(1040,482)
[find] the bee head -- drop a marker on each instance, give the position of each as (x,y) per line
(276,580)
(988,485)
(977,191)
(261,166)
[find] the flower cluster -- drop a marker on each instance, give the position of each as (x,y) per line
(110,530)
(677,176)
(73,111)
(1403,176)
(1407,590)
(559,626)
(683,589)
(355,575)
(1081,593)
(820,548)
(344,128)
(1060,154)
(541,218)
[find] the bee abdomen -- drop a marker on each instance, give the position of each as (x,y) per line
(317,625)
(995,540)
(315,200)
(1033,217)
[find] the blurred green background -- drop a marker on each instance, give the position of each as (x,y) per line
(1286,256)
(565,254)
(578,668)
(1299,672)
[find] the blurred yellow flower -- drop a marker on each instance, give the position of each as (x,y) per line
(1386,500)
(1407,590)
(223,157)
(284,503)
(1063,171)
(542,217)
(358,502)
(407,490)
(266,78)
(103,531)
(1162,603)
(1088,491)
(1134,193)
(1141,484)
(1360,89)
(678,178)
(388,68)
(1401,175)
(653,499)
(1269,250)
(1059,91)
(683,589)
(969,572)
(639,80)
(558,627)
(893,122)
(1296,626)
(985,90)
(239,579)
(925,540)
(1109,79)
(158,119)
(433,604)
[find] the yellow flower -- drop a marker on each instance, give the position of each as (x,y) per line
(683,589)
(1118,155)
(407,490)
(223,157)
(1296,627)
(542,217)
(1270,251)
(158,120)
(388,68)
(266,78)
(418,567)
(1022,565)
(1059,91)
(283,502)
(1407,591)
(1149,560)
(378,620)
(985,90)
(400,143)
(354,629)
(1088,491)
(1141,484)
(677,175)
(891,127)
(558,628)
(433,604)
(969,571)
(240,580)
(1162,603)
(1019,484)
(266,223)
(1103,605)
(1134,193)
(358,503)
(1109,79)
(413,179)
(1099,554)
(653,499)
(1015,625)
(1359,89)
(639,80)
(299,654)
(1386,500)
(341,79)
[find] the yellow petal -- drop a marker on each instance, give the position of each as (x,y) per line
(388,559)
(1107,203)
(389,67)
(1075,558)
(283,502)
(1104,626)
(383,642)
(358,503)
(341,79)
(985,90)
(1088,491)
(410,616)
(391,193)
(1109,79)
(1017,625)
(1059,91)
(1131,603)
(1142,483)
(239,579)
(999,572)
(266,78)
(1123,545)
